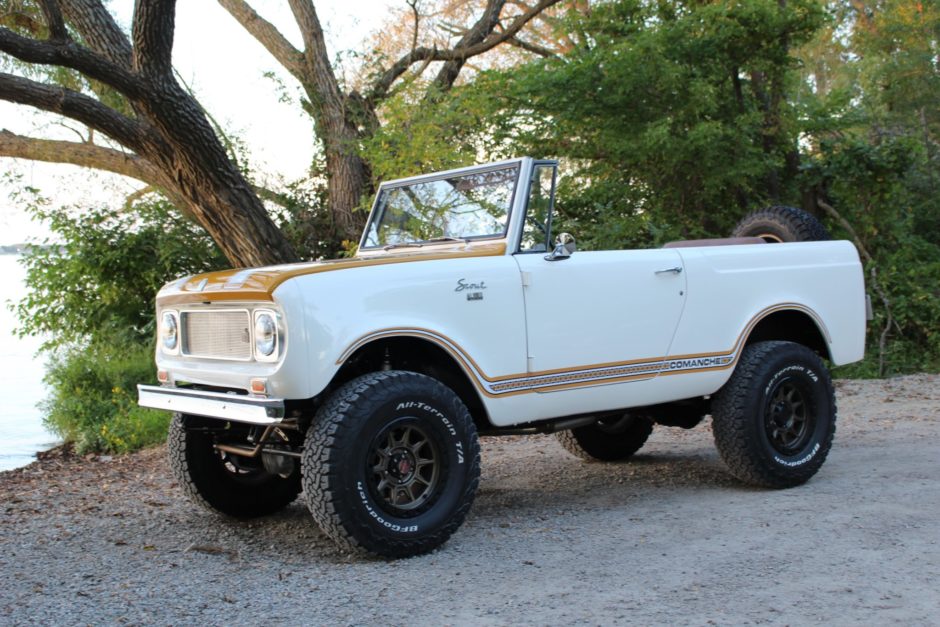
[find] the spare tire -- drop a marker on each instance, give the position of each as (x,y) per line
(781,224)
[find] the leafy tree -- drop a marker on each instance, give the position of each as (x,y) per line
(125,89)
(98,283)
(346,115)
(91,295)
(670,117)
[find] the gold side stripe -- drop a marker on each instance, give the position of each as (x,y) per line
(583,376)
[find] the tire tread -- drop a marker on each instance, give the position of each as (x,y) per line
(803,225)
(731,413)
(323,449)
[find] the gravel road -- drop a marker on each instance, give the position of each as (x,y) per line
(667,538)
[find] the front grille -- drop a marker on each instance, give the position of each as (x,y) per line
(216,334)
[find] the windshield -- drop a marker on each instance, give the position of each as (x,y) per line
(464,206)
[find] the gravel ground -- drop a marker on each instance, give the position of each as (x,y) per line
(667,538)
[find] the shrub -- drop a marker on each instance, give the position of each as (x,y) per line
(91,295)
(92,398)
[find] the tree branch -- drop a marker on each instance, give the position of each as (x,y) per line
(71,55)
(316,56)
(417,21)
(72,104)
(98,30)
(50,9)
(384,82)
(78,153)
(152,33)
(541,51)
(267,35)
(477,33)
(90,155)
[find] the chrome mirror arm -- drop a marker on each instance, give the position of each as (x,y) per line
(564,248)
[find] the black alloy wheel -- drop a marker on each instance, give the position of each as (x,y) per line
(775,418)
(391,464)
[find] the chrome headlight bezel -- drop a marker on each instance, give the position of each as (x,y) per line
(266,333)
(169,333)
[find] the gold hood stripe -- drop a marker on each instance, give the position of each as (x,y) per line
(258,284)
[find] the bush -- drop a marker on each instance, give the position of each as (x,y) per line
(93,398)
(91,295)
(97,277)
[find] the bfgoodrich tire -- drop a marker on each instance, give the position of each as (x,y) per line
(774,420)
(781,224)
(608,440)
(229,484)
(391,464)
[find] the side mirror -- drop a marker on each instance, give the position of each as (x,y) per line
(564,247)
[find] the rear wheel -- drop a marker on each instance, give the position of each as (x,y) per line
(774,420)
(391,464)
(609,439)
(779,224)
(230,484)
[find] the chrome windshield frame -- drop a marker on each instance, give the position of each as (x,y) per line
(524,171)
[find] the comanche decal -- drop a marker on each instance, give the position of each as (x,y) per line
(584,376)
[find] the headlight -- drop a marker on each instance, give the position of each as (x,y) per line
(169,332)
(265,336)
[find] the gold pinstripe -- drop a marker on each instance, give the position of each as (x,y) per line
(578,376)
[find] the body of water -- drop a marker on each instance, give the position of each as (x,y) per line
(21,372)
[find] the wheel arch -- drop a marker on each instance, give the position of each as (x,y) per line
(414,352)
(791,324)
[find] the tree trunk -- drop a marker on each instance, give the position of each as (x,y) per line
(174,144)
(347,183)
(341,119)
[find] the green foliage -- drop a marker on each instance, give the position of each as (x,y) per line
(91,294)
(304,217)
(886,189)
(96,279)
(668,119)
(93,400)
(425,134)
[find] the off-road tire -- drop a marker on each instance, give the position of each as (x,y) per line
(343,449)
(209,481)
(781,224)
(759,408)
(608,442)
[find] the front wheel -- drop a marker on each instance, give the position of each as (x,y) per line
(233,485)
(774,420)
(391,464)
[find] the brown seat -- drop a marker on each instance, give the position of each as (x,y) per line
(725,241)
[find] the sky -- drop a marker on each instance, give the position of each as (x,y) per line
(225,67)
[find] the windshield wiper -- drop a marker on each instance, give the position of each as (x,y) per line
(446,238)
(433,240)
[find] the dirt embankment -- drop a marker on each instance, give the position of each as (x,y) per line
(667,538)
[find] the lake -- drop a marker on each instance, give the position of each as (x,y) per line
(21,430)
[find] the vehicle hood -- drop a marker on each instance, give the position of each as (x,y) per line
(258,284)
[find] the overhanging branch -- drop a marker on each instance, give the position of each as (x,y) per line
(384,82)
(71,55)
(78,153)
(72,104)
(267,35)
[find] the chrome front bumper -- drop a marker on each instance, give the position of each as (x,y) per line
(234,407)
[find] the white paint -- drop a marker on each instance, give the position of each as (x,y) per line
(680,334)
